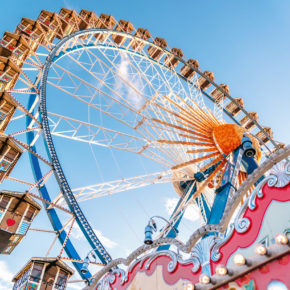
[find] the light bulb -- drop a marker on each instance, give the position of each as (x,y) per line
(189,286)
(260,250)
(239,260)
(281,239)
(204,279)
(221,270)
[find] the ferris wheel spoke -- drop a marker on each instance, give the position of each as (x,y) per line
(169,154)
(24,110)
(41,181)
(155,156)
(113,187)
(103,83)
(193,112)
(74,129)
(167,135)
(42,230)
(35,62)
(160,132)
(144,146)
(101,109)
(117,72)
(32,64)
(180,152)
(187,113)
(89,104)
(180,126)
(19,180)
(27,147)
(156,111)
(166,154)
(142,75)
(124,108)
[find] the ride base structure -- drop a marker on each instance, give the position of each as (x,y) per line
(213,261)
(231,169)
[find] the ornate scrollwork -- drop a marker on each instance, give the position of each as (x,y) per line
(219,242)
(119,272)
(171,265)
(280,173)
(175,258)
(196,264)
(104,284)
(200,254)
(279,176)
(257,192)
(242,225)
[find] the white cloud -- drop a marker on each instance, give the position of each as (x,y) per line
(77,234)
(69,5)
(191,212)
(135,81)
(128,252)
(5,277)
(104,240)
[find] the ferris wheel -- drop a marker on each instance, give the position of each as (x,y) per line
(98,108)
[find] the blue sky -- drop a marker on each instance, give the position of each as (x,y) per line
(246,45)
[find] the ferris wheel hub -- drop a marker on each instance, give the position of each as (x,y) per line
(228,137)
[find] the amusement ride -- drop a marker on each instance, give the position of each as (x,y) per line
(73,82)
